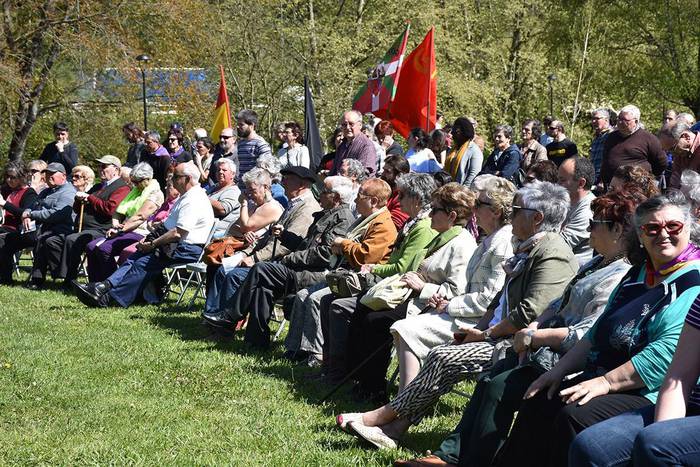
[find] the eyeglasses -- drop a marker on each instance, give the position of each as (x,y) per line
(653,229)
(350,124)
(172,139)
(517,209)
(225,136)
(11,177)
(176,176)
(362,195)
(77,176)
(593,222)
(480,203)
(34,171)
(104,166)
(553,128)
(530,178)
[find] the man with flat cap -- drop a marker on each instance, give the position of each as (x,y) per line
(51,214)
(297,182)
(60,254)
(304,266)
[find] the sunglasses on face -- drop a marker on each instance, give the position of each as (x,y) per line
(517,209)
(653,229)
(593,222)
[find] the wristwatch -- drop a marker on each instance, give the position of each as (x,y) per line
(487,334)
(527,340)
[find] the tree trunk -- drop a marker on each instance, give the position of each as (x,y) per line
(23,122)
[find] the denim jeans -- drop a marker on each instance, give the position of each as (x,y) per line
(633,439)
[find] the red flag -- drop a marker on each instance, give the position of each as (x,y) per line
(222,112)
(416,97)
(377,94)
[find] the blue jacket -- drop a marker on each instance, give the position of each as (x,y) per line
(53,211)
(506,166)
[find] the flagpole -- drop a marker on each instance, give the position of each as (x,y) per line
(430,79)
(398,72)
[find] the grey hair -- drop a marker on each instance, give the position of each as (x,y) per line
(356,169)
(356,113)
(690,187)
(549,199)
(417,185)
(142,171)
(226,160)
(506,129)
(343,187)
(191,171)
(257,175)
(678,129)
(686,117)
(605,113)
(154,135)
(633,110)
(272,165)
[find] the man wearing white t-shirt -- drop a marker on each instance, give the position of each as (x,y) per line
(184,233)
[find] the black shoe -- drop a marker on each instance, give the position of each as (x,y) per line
(35,284)
(220,320)
(296,356)
(92,295)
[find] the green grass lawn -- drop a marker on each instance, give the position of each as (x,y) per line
(143,386)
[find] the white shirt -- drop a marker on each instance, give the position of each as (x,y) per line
(298,155)
(192,212)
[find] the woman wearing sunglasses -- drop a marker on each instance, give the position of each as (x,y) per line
(624,356)
(538,273)
(15,196)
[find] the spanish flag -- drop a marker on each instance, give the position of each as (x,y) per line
(222,112)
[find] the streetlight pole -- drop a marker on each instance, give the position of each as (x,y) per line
(550,79)
(143,59)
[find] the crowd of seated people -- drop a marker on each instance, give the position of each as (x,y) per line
(560,281)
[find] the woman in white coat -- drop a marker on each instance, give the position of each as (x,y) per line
(485,277)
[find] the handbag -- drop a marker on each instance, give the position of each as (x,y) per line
(345,283)
(387,294)
(221,248)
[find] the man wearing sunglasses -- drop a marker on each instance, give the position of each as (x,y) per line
(561,147)
(227,148)
(686,152)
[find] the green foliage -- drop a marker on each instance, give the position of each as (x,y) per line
(493,59)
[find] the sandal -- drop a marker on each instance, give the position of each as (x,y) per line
(343,419)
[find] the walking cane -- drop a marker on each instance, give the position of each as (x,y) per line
(364,362)
(80,219)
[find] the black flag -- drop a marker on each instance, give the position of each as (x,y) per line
(312,136)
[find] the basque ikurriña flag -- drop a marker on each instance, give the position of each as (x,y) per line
(379,91)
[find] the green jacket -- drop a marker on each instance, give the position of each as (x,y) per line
(548,270)
(413,244)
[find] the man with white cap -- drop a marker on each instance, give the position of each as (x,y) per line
(60,254)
